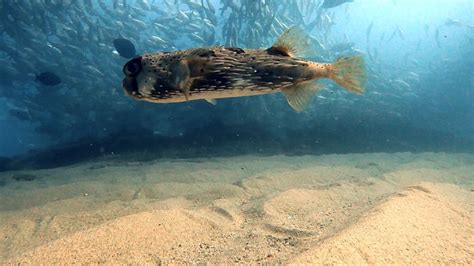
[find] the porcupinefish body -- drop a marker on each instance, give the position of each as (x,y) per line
(223,72)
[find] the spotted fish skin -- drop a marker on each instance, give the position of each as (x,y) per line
(226,72)
(218,73)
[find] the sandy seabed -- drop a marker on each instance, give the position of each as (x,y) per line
(357,208)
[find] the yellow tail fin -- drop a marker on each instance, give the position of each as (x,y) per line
(349,73)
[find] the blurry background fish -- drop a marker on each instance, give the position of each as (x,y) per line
(60,65)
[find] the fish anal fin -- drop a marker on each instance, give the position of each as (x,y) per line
(300,96)
(211,101)
(293,42)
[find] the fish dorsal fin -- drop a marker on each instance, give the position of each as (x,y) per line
(293,42)
(300,96)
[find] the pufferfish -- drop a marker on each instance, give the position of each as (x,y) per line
(228,72)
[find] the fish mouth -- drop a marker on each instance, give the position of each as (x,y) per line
(131,70)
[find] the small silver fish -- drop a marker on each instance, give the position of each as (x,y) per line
(223,72)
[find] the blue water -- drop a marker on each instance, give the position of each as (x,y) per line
(419,57)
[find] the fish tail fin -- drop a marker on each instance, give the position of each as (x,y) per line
(349,73)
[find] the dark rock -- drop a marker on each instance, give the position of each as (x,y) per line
(24,177)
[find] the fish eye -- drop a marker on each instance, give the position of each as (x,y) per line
(133,67)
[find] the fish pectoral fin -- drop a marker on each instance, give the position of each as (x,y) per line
(181,78)
(300,96)
(211,101)
(293,42)
(185,87)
